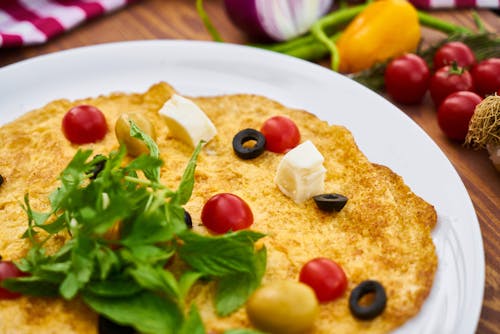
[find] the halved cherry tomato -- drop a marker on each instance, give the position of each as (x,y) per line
(447,80)
(9,270)
(406,79)
(455,113)
(457,52)
(281,133)
(325,277)
(486,76)
(84,124)
(226,212)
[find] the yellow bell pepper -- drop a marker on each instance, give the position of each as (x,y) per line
(383,30)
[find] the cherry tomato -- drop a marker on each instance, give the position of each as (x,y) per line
(226,212)
(9,270)
(447,80)
(455,113)
(84,124)
(454,52)
(486,76)
(325,277)
(281,134)
(406,79)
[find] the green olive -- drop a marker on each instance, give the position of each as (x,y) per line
(283,307)
(134,146)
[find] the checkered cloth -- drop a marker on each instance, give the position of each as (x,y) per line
(428,4)
(28,22)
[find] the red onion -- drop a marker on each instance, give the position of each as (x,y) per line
(276,20)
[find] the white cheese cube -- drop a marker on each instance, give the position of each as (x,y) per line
(300,173)
(186,121)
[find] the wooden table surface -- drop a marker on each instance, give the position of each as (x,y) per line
(177,19)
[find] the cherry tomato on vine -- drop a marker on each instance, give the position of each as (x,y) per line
(455,113)
(454,52)
(281,133)
(325,277)
(9,270)
(407,78)
(447,80)
(226,212)
(84,124)
(486,76)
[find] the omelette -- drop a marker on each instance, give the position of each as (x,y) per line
(383,233)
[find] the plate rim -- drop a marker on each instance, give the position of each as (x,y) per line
(474,310)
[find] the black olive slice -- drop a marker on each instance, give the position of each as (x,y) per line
(330,202)
(377,305)
(1,180)
(187,219)
(249,151)
(106,326)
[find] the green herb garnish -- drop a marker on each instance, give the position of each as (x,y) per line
(124,231)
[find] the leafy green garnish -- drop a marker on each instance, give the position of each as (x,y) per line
(124,231)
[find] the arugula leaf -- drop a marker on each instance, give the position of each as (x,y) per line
(187,182)
(75,173)
(151,172)
(143,162)
(234,290)
(145,311)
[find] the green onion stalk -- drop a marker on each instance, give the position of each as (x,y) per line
(319,41)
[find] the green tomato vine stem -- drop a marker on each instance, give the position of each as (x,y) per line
(319,42)
(440,25)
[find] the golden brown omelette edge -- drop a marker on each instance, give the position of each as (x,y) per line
(383,233)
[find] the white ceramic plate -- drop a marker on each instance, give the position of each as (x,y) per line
(383,132)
